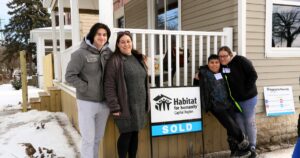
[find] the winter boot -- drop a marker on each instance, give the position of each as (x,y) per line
(253,152)
(232,145)
(243,144)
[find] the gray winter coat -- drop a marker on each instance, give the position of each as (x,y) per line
(85,71)
(115,86)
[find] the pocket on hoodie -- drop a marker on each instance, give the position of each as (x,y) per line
(82,88)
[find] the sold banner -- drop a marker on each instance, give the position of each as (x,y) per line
(175,110)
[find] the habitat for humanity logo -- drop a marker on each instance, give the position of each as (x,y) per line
(162,102)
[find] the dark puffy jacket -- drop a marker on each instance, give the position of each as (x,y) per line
(213,92)
(242,78)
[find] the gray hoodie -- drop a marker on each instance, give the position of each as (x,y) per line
(85,71)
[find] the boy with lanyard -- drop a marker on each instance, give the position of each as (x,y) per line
(214,98)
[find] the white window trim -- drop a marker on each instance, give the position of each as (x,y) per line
(277,52)
(242,27)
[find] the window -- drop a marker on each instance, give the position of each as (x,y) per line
(166,18)
(167,14)
(283,28)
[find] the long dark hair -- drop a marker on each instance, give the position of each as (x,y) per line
(133,51)
(95,28)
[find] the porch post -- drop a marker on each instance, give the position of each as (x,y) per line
(106,16)
(75,22)
(56,56)
(61,37)
(61,26)
(150,14)
(106,12)
(228,36)
(40,61)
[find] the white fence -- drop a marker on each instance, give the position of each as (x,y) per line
(155,44)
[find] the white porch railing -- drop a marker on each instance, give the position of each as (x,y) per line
(201,44)
(65,58)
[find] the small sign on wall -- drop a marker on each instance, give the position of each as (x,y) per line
(279,100)
(175,110)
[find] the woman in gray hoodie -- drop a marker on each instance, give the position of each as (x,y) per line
(85,72)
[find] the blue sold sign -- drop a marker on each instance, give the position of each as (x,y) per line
(176,128)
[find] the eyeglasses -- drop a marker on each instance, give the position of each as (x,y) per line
(223,56)
(121,33)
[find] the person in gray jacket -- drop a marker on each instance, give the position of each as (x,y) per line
(85,72)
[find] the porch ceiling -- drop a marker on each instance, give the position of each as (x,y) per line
(83,4)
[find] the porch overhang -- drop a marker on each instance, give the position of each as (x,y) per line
(46,33)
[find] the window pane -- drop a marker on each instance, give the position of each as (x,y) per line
(160,15)
(172,15)
(167,14)
(166,19)
(286,26)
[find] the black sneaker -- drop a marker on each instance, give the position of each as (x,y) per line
(241,154)
(243,144)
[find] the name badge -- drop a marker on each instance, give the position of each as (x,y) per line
(218,76)
(226,70)
(92,58)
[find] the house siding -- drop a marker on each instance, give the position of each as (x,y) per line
(271,71)
(86,22)
(136,14)
(213,15)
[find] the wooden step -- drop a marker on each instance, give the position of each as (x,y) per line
(35,103)
(55,99)
(45,101)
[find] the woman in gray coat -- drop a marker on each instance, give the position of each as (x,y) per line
(126,90)
(85,72)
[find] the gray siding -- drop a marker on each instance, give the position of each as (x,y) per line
(136,14)
(86,22)
(271,71)
(213,15)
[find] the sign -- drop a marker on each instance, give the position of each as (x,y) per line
(175,110)
(176,128)
(279,100)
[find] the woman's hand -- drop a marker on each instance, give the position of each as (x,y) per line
(117,113)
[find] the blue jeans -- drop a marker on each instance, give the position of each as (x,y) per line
(246,119)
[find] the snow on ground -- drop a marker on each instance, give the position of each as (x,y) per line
(20,127)
(17,128)
(11,98)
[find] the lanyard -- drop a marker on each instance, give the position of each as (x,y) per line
(234,101)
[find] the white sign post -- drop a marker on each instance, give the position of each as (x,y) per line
(279,100)
(175,110)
